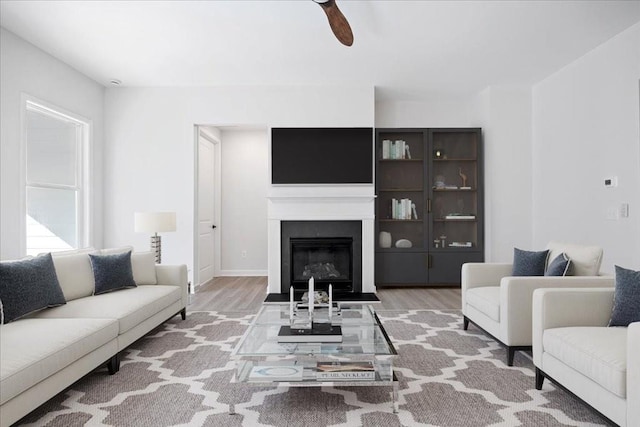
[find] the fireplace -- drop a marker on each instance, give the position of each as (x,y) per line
(330,251)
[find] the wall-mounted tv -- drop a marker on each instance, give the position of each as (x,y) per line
(322,156)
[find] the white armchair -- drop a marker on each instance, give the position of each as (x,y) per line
(500,304)
(574,348)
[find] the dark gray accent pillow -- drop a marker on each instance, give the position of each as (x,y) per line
(527,263)
(626,298)
(112,272)
(27,286)
(560,266)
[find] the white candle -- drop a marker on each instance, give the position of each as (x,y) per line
(291,304)
(330,301)
(311,295)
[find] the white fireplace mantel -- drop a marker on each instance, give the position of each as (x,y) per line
(348,207)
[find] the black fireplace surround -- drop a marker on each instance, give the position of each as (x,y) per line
(330,251)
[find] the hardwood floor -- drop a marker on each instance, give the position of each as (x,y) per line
(248,293)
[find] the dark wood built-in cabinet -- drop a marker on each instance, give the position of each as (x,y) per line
(429,207)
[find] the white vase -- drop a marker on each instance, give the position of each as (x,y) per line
(385,239)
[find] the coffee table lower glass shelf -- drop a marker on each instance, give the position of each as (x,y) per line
(364,357)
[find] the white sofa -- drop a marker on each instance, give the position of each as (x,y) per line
(44,353)
(573,347)
(500,304)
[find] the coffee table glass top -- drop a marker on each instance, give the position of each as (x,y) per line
(362,334)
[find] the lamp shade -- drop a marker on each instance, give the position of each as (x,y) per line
(155,222)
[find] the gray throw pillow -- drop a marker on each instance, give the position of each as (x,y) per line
(112,272)
(560,266)
(527,263)
(27,286)
(626,298)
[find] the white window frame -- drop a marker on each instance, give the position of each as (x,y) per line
(84,166)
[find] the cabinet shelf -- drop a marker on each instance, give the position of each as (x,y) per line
(455,160)
(454,220)
(399,160)
(404,190)
(400,220)
(451,190)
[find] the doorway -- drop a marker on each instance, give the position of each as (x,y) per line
(207,205)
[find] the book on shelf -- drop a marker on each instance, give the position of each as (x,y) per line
(459,216)
(386,144)
(336,371)
(276,373)
(320,332)
(460,244)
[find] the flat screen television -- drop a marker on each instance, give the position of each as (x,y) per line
(322,155)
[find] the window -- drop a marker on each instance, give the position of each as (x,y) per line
(56,180)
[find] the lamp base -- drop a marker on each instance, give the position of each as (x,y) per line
(156,246)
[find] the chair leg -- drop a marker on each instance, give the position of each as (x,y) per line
(539,379)
(465,323)
(511,351)
(183,313)
(114,364)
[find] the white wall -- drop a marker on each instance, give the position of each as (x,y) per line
(504,113)
(435,110)
(149,150)
(245,178)
(25,69)
(586,128)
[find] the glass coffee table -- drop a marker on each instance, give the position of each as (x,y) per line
(365,345)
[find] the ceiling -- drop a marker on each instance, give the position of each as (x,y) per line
(406,49)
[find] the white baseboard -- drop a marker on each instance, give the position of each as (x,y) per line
(240,273)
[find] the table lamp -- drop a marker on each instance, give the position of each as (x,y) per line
(155,222)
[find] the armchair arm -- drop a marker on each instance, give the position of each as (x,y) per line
(174,275)
(478,274)
(557,308)
(516,296)
(633,375)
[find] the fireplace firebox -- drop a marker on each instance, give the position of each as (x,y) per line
(328,251)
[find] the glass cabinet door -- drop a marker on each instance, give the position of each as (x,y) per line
(400,182)
(454,189)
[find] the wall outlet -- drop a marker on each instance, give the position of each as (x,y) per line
(243,254)
(624,210)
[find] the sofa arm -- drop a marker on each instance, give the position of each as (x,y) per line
(633,375)
(516,296)
(175,275)
(478,274)
(557,308)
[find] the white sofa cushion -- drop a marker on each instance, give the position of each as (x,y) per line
(52,345)
(129,306)
(485,299)
(143,264)
(599,353)
(585,260)
(74,273)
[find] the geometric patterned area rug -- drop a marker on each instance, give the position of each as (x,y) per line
(179,374)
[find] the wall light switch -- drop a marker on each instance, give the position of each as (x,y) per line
(611,182)
(624,210)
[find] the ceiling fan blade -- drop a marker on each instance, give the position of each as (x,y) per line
(337,21)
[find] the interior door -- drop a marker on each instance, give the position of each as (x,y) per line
(206,210)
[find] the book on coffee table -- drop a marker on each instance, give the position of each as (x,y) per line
(345,371)
(276,373)
(321,332)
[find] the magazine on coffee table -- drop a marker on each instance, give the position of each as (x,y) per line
(345,371)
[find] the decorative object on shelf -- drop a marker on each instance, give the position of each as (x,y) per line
(436,243)
(155,222)
(404,243)
(456,215)
(439,182)
(463,177)
(438,153)
(319,297)
(385,239)
(407,153)
(415,212)
(443,240)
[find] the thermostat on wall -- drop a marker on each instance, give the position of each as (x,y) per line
(611,182)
